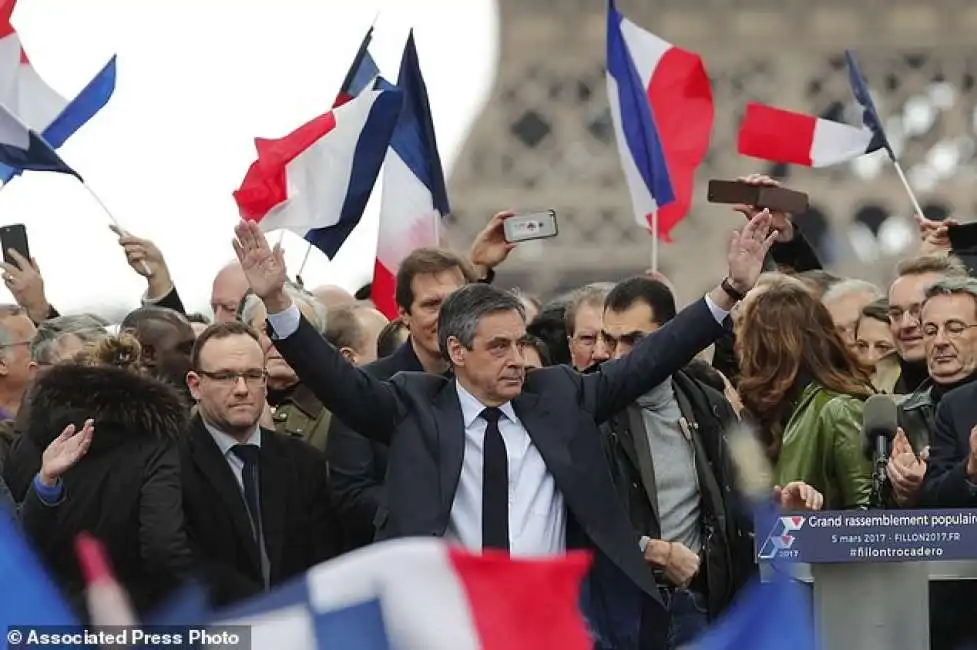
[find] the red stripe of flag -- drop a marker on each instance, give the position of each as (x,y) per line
(777,135)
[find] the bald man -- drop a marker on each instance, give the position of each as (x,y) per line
(229,288)
(332,296)
(354,329)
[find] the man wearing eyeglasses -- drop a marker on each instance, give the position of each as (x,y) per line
(906,296)
(257,504)
(941,414)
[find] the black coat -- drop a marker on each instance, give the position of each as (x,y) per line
(300,527)
(126,490)
(420,416)
(358,464)
(727,529)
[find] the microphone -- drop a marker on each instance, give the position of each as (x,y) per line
(879,423)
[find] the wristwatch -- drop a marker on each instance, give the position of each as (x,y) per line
(731,291)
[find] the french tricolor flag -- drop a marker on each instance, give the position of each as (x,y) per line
(662,109)
(36,104)
(421,594)
(786,137)
(414,195)
(362,72)
(316,180)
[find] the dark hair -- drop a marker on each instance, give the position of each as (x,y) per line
(219,331)
(703,372)
(343,327)
(784,333)
(197,317)
(877,310)
(818,280)
(427,261)
(462,310)
(136,318)
(390,338)
(550,327)
(364,292)
(642,289)
(540,347)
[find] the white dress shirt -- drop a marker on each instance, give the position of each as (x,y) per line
(537,513)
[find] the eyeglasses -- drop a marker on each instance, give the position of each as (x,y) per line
(951,329)
(896,313)
(253,378)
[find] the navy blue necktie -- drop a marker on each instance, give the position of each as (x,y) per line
(249,455)
(495,485)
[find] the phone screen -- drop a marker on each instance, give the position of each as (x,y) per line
(15,237)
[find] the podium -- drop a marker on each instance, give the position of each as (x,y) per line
(871,569)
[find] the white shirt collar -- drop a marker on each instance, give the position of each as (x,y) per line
(225,442)
(471,408)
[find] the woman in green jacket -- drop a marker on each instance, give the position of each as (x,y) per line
(805,390)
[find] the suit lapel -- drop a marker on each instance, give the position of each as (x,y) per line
(273,477)
(549,440)
(215,471)
(450,425)
(639,436)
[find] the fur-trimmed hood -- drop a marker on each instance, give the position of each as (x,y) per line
(124,404)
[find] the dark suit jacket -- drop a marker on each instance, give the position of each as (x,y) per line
(300,528)
(946,484)
(358,465)
(420,417)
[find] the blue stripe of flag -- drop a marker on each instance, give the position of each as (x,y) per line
(365,73)
(637,121)
(371,148)
(870,116)
(413,138)
(75,115)
(358,627)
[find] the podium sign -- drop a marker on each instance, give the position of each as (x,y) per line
(844,536)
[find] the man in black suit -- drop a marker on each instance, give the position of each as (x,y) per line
(493,458)
(257,504)
(358,462)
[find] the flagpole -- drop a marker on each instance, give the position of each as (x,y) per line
(115,222)
(298,276)
(654,241)
(909,190)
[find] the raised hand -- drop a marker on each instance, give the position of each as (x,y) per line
(748,249)
(24,280)
(906,470)
(264,267)
(490,247)
(780,221)
(65,451)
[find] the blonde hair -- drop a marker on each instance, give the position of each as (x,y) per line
(120,351)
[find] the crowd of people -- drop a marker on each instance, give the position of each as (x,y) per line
(300,425)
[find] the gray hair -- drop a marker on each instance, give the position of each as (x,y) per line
(589,295)
(850,287)
(6,336)
(89,328)
(952,286)
(311,308)
(462,310)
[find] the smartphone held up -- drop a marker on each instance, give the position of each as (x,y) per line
(528,226)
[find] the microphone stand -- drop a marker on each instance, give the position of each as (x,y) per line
(879,477)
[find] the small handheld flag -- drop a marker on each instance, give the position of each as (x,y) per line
(415,198)
(872,121)
(662,108)
(781,136)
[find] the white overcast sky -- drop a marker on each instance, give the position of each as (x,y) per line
(197,81)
